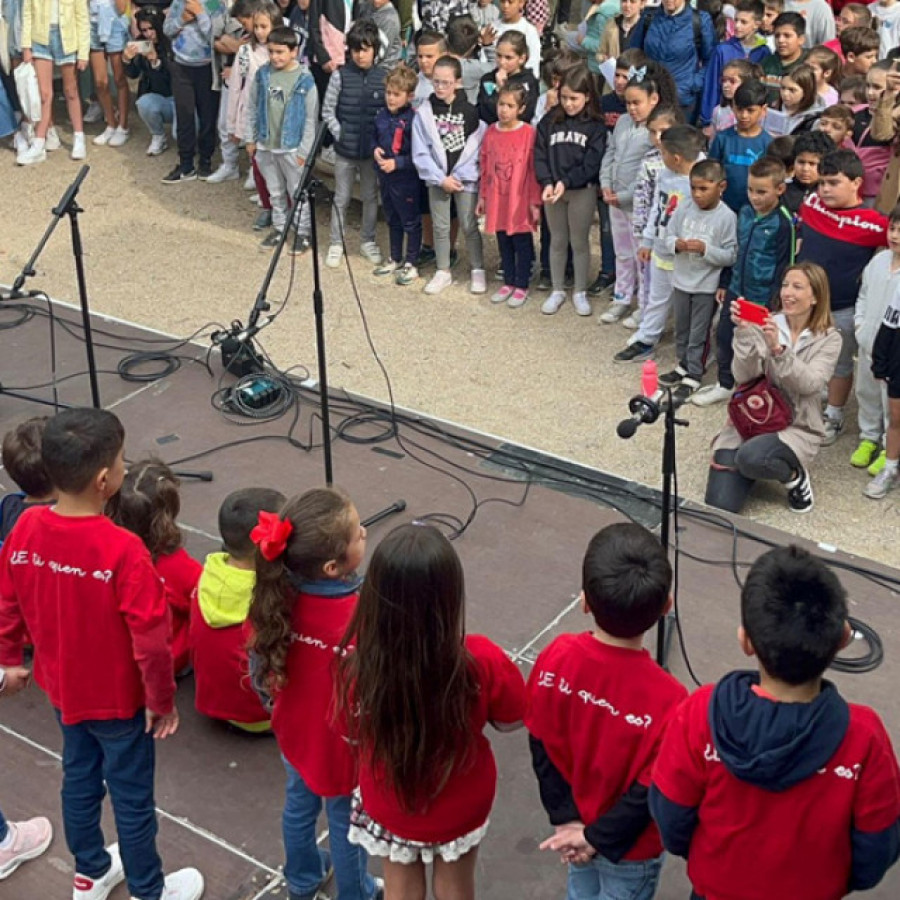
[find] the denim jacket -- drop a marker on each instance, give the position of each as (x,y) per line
(294,111)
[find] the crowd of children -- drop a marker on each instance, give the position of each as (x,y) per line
(284,634)
(484,130)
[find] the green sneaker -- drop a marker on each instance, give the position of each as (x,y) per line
(878,465)
(864,455)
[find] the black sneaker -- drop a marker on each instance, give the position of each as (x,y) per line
(683,392)
(178,176)
(673,378)
(544,283)
(426,256)
(204,169)
(636,352)
(299,246)
(270,241)
(800,493)
(601,283)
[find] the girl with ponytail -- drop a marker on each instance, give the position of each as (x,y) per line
(305,596)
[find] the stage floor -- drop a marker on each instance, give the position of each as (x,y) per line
(220,793)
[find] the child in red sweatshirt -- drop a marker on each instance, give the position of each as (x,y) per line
(87,592)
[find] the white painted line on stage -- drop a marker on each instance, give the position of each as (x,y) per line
(522,654)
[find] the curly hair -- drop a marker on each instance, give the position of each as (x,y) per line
(148,504)
(321,533)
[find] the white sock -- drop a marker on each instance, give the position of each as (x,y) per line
(38,143)
(890,465)
(78,135)
(835,412)
(7,842)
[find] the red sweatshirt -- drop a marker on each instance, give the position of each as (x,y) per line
(94,606)
(180,574)
(465,802)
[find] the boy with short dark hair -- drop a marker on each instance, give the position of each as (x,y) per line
(354,96)
(770,783)
(680,147)
(810,148)
(108,675)
(789,33)
(747,43)
(738,147)
(765,236)
(598,707)
(219,610)
(819,18)
(837,122)
(702,235)
(282,113)
(24,464)
(859,45)
(841,235)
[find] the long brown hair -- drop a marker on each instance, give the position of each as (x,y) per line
(148,504)
(321,533)
(411,679)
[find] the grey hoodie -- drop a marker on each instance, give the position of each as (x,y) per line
(622,161)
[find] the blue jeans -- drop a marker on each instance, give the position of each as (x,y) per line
(303,863)
(600,879)
(156,112)
(122,754)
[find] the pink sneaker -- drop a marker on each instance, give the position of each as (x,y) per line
(29,840)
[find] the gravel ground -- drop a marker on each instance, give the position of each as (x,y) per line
(175,257)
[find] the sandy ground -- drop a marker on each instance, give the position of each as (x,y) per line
(175,257)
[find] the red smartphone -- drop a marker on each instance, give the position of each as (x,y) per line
(752,312)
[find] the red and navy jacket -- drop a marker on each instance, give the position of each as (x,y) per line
(777,800)
(393,136)
(841,241)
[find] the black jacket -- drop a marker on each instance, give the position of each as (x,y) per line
(488,92)
(569,151)
(361,96)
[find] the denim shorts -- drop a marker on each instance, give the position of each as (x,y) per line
(53,49)
(115,43)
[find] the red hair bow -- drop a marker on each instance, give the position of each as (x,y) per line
(271,534)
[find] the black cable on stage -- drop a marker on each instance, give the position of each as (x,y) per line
(134,366)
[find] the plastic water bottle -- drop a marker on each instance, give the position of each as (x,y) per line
(649,378)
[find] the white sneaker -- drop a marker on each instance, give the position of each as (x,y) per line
(371,251)
(94,112)
(119,137)
(20,143)
(185,884)
(711,395)
(615,313)
(250,181)
(881,484)
(833,428)
(581,303)
(79,148)
(334,257)
(85,888)
(104,137)
(439,281)
(51,142)
(158,144)
(478,282)
(633,322)
(552,304)
(34,154)
(224,173)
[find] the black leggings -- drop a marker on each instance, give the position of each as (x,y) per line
(733,472)
(196,110)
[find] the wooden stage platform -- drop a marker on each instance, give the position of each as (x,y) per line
(220,793)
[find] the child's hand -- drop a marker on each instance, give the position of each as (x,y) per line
(379,155)
(161,726)
(643,254)
(681,246)
(451,184)
(250,147)
(17,678)
(389,165)
(720,296)
(500,78)
(81,65)
(570,843)
(547,194)
(708,132)
(694,246)
(535,211)
(479,207)
(488,36)
(301,161)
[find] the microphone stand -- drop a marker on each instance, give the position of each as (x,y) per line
(66,206)
(307,190)
(649,409)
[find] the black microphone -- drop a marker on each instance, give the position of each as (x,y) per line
(643,410)
(200,476)
(397,507)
